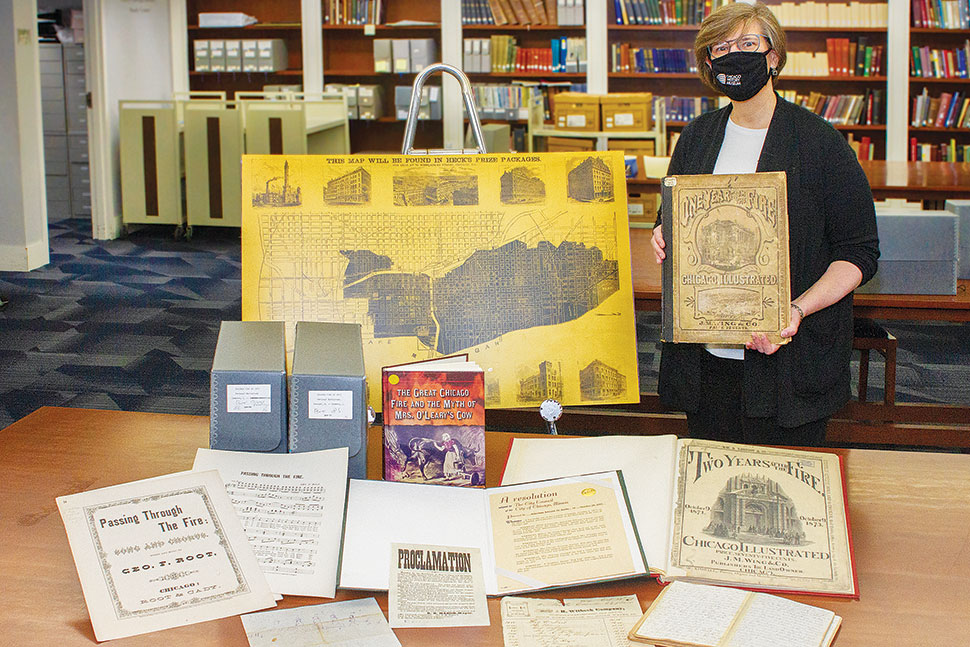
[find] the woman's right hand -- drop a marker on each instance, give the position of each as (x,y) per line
(657,240)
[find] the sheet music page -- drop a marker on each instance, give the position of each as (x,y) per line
(581,622)
(161,553)
(691,613)
(770,620)
(352,623)
(292,507)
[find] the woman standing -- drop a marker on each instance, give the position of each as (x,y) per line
(762,393)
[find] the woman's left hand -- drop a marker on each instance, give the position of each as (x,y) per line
(760,343)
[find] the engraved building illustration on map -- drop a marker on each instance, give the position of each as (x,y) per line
(599,381)
(591,181)
(422,189)
(756,510)
(521,186)
(277,192)
(542,385)
(350,188)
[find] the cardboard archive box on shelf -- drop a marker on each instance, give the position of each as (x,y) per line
(636,147)
(328,401)
(576,111)
(248,388)
(569,144)
(962,209)
(370,102)
(918,253)
(627,111)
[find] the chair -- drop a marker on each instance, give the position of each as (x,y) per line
(868,335)
(151,183)
(213,148)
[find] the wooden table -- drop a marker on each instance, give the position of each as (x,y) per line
(902,307)
(910,516)
(936,181)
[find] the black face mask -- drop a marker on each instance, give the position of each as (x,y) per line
(741,75)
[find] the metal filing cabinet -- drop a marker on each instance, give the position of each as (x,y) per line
(53,108)
(76,108)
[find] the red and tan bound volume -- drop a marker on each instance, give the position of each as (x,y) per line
(434,422)
(726,274)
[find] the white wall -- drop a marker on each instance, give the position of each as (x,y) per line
(129,53)
(23,200)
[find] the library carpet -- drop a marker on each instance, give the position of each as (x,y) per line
(132,324)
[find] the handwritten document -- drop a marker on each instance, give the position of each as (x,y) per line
(436,586)
(161,553)
(353,623)
(582,622)
(700,614)
(291,506)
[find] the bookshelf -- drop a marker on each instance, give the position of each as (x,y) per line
(280,19)
(320,53)
(938,73)
(348,58)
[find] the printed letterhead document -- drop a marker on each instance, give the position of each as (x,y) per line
(580,622)
(161,553)
(436,586)
(292,507)
(352,623)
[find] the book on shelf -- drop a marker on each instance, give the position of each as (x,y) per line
(354,12)
(843,109)
(626,57)
(934,63)
(434,422)
(832,14)
(949,151)
(847,57)
(726,273)
(695,615)
(941,14)
(761,518)
(546,534)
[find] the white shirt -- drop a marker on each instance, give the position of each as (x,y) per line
(740,152)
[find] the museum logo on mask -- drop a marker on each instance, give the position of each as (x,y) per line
(729,79)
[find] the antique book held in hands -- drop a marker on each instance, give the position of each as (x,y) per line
(726,274)
(434,422)
(695,615)
(531,536)
(718,513)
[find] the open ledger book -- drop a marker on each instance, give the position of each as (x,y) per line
(695,615)
(718,513)
(553,533)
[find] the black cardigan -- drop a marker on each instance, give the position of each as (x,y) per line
(830,217)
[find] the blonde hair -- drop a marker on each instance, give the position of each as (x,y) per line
(724,21)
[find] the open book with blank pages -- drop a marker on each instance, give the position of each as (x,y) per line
(695,615)
(547,534)
(761,518)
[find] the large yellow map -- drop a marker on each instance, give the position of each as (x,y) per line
(520,261)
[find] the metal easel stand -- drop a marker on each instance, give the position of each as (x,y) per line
(412,123)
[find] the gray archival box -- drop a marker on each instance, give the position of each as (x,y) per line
(248,387)
(918,253)
(962,209)
(328,404)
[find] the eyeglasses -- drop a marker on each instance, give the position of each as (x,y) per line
(744,42)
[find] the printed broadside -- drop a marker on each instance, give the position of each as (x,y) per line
(520,261)
(726,272)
